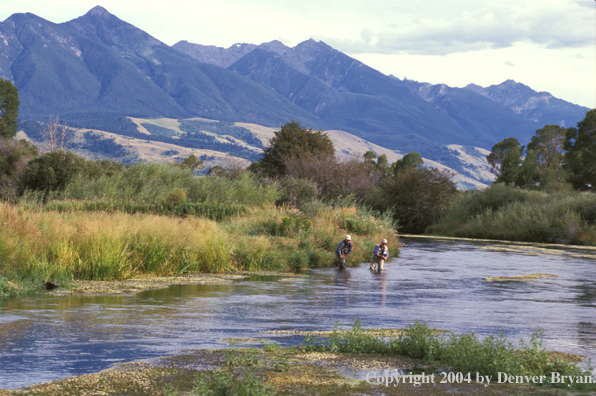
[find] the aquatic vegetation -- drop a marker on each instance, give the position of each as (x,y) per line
(464,353)
(519,278)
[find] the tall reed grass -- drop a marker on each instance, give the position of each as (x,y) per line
(102,246)
(48,242)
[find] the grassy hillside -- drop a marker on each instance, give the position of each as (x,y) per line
(220,143)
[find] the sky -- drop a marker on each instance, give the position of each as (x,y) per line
(549,45)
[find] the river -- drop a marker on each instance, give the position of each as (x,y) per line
(45,337)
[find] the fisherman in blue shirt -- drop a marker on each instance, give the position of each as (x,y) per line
(343,250)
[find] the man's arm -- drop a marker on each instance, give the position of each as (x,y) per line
(338,248)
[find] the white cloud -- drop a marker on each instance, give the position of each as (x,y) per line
(550,24)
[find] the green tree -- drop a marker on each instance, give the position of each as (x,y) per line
(409,161)
(580,156)
(547,144)
(9,109)
(548,148)
(528,175)
(192,162)
(370,156)
(292,141)
(381,163)
(505,160)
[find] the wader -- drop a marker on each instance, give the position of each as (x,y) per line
(342,261)
(374,260)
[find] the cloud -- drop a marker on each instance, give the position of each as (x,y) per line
(553,25)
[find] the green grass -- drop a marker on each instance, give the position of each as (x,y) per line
(506,213)
(465,353)
(156,184)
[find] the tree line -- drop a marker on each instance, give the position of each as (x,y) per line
(556,158)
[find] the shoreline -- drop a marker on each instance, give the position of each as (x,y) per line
(288,370)
(501,242)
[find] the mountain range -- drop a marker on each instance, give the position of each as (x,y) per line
(97,70)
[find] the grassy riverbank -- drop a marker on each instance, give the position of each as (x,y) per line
(41,242)
(511,214)
(317,367)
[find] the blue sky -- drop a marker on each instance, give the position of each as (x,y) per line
(549,45)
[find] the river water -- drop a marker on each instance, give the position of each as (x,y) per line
(45,337)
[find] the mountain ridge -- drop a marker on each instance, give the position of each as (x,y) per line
(97,70)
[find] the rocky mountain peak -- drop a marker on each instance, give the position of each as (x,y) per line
(274,46)
(99,11)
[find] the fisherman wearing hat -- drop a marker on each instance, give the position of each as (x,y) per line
(343,250)
(380,254)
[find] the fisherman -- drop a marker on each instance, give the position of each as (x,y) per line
(343,250)
(379,256)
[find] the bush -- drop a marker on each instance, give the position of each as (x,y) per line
(296,192)
(419,341)
(223,383)
(354,340)
(52,171)
(14,157)
(417,197)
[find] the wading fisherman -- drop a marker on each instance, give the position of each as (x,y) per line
(380,254)
(343,250)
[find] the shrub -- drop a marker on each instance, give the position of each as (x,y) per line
(354,340)
(52,171)
(297,192)
(417,197)
(419,341)
(522,215)
(223,383)
(14,157)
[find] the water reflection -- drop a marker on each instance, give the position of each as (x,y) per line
(45,337)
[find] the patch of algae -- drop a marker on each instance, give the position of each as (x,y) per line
(540,251)
(378,332)
(519,278)
(149,282)
(288,370)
